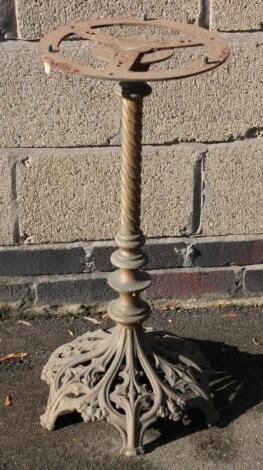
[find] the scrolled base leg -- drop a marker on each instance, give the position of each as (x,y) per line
(130,377)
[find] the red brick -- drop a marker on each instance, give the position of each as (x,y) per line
(184,283)
(225,253)
(253,280)
(28,261)
(160,255)
(78,289)
(15,290)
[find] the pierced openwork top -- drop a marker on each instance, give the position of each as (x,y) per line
(126,375)
(130,58)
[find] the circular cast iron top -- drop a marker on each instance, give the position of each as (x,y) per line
(129,58)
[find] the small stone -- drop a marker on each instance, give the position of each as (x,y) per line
(8,400)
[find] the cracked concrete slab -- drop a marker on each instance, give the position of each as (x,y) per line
(67,195)
(65,111)
(39,18)
(6,202)
(233,177)
(236,15)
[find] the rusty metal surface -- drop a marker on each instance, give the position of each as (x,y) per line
(130,58)
(128,376)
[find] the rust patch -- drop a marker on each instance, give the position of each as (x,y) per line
(130,58)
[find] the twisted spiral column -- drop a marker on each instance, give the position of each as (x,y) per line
(126,375)
(131,165)
(129,281)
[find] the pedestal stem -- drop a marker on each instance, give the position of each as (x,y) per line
(129,309)
(126,375)
(131,164)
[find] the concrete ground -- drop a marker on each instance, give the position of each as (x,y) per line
(231,338)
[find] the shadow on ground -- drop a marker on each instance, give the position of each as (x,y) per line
(234,346)
(236,386)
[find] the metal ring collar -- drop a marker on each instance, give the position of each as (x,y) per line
(130,58)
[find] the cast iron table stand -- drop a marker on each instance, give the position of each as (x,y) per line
(128,375)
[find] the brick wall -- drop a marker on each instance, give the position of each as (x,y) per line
(59,162)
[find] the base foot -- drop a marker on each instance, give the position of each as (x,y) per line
(130,377)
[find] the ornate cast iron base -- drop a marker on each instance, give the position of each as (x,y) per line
(130,377)
(127,375)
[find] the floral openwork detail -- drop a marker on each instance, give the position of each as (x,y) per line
(129,377)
